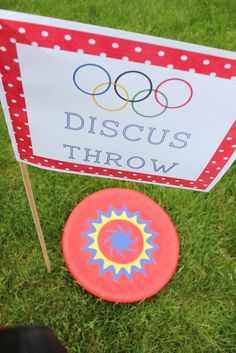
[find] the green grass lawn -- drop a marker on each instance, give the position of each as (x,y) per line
(194,312)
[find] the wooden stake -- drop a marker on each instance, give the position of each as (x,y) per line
(30,195)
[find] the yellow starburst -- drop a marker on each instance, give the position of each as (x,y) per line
(115,267)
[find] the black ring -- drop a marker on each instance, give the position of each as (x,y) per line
(131,100)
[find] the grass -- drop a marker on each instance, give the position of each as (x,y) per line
(194,312)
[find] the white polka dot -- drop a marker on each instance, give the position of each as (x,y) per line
(163,178)
(211,177)
(161,53)
(26,124)
(25,159)
(227,66)
(229,138)
(218,168)
(147,62)
(233,146)
(12,40)
(125,58)
(205,184)
(149,176)
(119,172)
(21,30)
(177,181)
(53,166)
(192,70)
(21,95)
(3,49)
(30,147)
(213,162)
(115,45)
(110,175)
(167,183)
(10,85)
(28,136)
(18,78)
(184,57)
(92,41)
(200,180)
(125,177)
(134,174)
(24,110)
(57,47)
(13,101)
(44,33)
(16,60)
(60,163)
(221,151)
(45,160)
(32,157)
(80,51)
(226,158)
(191,182)
(16,115)
(90,168)
(35,44)
(67,37)
(138,49)
(103,55)
(206,62)
(19,128)
(39,163)
(1,27)
(213,74)
(21,139)
(104,170)
(67,169)
(97,173)
(81,171)
(23,150)
(170,66)
(7,68)
(207,171)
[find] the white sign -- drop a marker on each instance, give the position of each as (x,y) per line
(93,100)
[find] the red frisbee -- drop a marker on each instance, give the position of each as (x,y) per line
(120,245)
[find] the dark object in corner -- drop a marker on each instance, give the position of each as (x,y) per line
(29,339)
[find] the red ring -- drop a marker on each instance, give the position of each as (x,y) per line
(173,79)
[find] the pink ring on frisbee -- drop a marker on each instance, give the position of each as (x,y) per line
(177,106)
(120,245)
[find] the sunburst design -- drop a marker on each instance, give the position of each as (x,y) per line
(121,240)
(105,264)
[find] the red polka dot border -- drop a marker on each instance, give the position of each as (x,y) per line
(12,32)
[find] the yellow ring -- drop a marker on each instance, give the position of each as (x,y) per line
(106,261)
(110,110)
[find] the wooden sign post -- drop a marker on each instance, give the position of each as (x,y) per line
(33,208)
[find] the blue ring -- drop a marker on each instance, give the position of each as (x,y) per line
(92,94)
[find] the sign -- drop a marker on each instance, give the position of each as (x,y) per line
(85,99)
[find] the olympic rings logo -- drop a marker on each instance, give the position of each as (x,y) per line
(123,94)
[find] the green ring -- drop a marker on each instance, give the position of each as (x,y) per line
(149,116)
